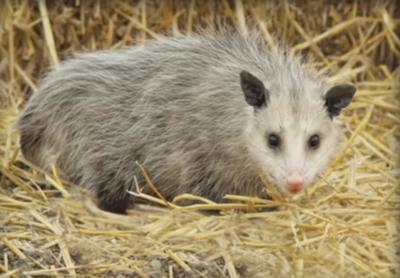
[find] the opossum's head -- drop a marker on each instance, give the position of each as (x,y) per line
(293,132)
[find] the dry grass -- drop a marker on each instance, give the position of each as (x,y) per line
(344,226)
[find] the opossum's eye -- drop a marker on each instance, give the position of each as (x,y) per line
(314,141)
(274,141)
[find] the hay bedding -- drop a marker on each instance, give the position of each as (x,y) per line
(345,226)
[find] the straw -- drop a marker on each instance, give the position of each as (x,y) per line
(344,225)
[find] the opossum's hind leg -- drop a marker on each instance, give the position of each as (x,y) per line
(30,138)
(28,143)
(113,197)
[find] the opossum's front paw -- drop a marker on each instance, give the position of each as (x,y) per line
(116,204)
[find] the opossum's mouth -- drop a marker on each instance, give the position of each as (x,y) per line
(270,181)
(283,188)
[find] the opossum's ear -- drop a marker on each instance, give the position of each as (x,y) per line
(338,97)
(254,90)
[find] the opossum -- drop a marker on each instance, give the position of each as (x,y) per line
(204,114)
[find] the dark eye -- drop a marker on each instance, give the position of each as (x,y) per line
(314,141)
(274,141)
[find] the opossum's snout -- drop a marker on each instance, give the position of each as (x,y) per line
(295,183)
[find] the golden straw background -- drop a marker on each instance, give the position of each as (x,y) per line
(344,226)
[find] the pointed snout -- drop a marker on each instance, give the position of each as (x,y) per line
(295,183)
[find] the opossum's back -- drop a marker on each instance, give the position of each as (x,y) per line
(109,104)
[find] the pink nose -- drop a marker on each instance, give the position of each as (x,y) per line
(295,184)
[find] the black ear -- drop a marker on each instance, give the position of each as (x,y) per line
(254,91)
(338,97)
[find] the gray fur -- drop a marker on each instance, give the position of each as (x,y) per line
(176,106)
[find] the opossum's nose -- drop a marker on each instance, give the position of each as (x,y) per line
(295,183)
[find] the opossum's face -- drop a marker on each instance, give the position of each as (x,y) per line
(293,135)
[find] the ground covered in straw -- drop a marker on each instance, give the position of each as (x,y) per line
(344,226)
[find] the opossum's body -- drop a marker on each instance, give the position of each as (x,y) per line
(177,106)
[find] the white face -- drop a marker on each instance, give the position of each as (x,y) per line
(292,145)
(292,132)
